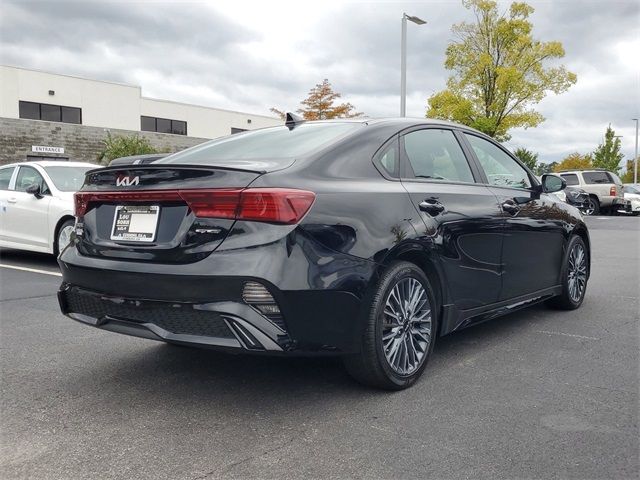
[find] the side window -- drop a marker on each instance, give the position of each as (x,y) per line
(28,176)
(5,177)
(436,154)
(500,168)
(596,177)
(570,178)
(388,159)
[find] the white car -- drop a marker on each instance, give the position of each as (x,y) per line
(36,204)
(632,193)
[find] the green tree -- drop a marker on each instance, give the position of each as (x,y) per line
(607,155)
(543,168)
(319,105)
(529,158)
(574,161)
(116,146)
(628,174)
(499,71)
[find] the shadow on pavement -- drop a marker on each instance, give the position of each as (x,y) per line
(172,373)
(23,258)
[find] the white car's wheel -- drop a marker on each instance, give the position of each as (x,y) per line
(64,236)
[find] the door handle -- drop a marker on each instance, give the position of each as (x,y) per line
(12,200)
(431,206)
(510,207)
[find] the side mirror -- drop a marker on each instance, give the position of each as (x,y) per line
(552,183)
(34,189)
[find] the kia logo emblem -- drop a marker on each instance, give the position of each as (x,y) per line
(127,181)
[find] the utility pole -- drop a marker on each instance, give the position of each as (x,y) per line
(403,61)
(635,158)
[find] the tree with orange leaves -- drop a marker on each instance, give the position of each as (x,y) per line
(319,105)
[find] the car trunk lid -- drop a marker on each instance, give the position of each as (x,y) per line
(158,213)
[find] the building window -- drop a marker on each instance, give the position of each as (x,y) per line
(237,130)
(163,125)
(48,112)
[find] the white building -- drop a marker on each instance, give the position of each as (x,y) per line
(35,105)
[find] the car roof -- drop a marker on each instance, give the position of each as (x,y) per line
(50,163)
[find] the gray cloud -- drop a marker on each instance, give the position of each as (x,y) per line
(193,52)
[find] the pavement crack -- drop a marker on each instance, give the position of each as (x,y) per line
(27,298)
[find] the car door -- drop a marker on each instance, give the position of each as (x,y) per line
(533,222)
(27,216)
(459,214)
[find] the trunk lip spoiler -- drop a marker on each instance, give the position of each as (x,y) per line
(185,166)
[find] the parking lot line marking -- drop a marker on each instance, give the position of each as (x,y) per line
(33,270)
(566,335)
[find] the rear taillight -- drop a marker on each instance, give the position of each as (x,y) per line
(612,191)
(274,205)
(277,205)
(212,203)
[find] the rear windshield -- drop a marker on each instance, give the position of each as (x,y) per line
(596,177)
(67,179)
(268,143)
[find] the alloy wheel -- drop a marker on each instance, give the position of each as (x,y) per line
(406,326)
(577,272)
(64,237)
(590,208)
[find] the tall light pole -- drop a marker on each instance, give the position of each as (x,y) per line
(635,158)
(403,61)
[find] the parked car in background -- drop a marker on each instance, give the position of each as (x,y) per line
(632,194)
(36,204)
(603,187)
(367,239)
(137,159)
(574,196)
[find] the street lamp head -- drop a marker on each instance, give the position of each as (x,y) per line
(416,20)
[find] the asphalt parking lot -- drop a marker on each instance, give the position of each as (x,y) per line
(537,394)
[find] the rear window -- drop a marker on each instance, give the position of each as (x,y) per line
(571,178)
(67,179)
(596,177)
(269,143)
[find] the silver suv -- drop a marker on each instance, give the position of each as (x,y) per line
(604,189)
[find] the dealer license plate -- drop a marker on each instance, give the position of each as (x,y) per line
(135,223)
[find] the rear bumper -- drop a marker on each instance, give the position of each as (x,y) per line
(313,322)
(622,205)
(219,324)
(318,291)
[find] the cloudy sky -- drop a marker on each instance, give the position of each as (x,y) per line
(250,56)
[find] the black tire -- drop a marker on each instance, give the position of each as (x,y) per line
(56,246)
(566,301)
(370,366)
(592,207)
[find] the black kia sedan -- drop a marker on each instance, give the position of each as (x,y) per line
(366,239)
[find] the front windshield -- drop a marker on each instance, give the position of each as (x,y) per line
(269,143)
(631,189)
(67,178)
